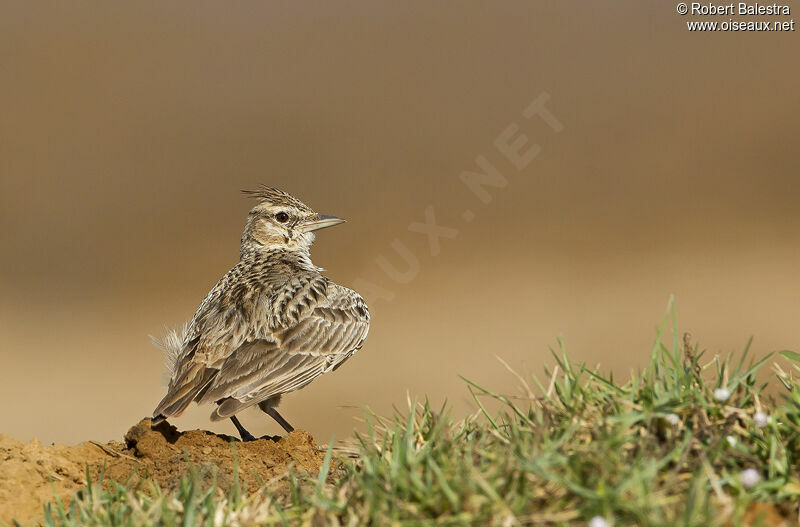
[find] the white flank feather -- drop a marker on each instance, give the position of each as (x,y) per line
(172,346)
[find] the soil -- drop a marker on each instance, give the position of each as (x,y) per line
(30,473)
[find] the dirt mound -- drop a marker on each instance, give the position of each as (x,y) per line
(161,454)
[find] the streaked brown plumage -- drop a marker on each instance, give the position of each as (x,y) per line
(271,325)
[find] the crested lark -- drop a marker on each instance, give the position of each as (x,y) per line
(270,326)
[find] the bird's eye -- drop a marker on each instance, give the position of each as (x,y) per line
(282,217)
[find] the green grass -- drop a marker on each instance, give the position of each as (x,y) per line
(657,449)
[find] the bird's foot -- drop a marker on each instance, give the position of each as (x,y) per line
(247,437)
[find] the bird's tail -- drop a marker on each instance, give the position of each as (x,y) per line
(190,383)
(186,380)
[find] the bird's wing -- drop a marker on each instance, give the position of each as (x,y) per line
(312,334)
(232,314)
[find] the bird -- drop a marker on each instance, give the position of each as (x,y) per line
(270,326)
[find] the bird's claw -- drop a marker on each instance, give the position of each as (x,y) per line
(247,437)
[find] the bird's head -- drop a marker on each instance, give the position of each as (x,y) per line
(282,221)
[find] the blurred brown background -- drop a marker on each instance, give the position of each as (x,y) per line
(128,130)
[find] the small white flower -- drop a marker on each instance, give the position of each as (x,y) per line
(722,394)
(598,521)
(673,419)
(749,477)
(731,440)
(761,419)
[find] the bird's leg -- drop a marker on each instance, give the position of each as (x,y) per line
(272,412)
(246,436)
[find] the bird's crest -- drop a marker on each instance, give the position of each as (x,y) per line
(275,196)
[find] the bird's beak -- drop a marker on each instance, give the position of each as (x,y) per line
(320,222)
